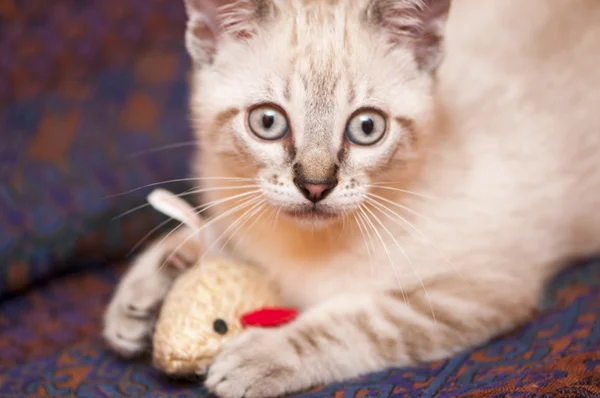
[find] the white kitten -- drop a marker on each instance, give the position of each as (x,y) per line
(411,211)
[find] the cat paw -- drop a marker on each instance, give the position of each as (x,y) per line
(131,315)
(261,363)
(127,334)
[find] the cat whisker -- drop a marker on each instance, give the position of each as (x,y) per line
(155,184)
(249,228)
(274,211)
(228,188)
(410,263)
(208,206)
(246,202)
(362,209)
(202,208)
(385,187)
(145,237)
(260,210)
(405,208)
(343,230)
(192,191)
(176,145)
(370,236)
(359,222)
(130,211)
(240,220)
(196,187)
(278,212)
(383,208)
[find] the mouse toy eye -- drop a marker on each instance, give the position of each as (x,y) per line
(366,127)
(220,326)
(267,122)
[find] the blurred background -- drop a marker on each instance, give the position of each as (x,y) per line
(90,93)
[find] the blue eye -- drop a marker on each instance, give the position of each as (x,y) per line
(268,123)
(366,128)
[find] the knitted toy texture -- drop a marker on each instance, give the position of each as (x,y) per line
(209,304)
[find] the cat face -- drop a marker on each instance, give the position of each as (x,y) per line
(318,101)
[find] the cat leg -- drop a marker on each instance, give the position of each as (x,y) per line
(131,314)
(356,334)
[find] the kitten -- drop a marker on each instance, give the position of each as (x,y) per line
(411,209)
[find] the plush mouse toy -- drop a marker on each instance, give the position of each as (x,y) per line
(209,304)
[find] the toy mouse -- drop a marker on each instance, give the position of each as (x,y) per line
(209,304)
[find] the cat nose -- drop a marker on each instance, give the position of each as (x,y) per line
(315,191)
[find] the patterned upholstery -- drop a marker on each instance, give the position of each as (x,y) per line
(51,347)
(84,87)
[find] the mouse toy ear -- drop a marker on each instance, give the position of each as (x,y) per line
(175,207)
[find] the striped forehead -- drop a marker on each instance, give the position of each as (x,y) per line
(313,87)
(313,95)
(318,82)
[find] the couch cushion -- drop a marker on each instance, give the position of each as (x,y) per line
(85,86)
(51,347)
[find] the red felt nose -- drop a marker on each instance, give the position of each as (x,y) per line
(269,317)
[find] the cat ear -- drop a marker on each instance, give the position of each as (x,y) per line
(210,20)
(418,24)
(202,29)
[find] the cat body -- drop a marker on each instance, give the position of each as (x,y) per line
(436,237)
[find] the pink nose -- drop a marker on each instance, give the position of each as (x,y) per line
(316,190)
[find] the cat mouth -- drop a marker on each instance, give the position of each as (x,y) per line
(311,213)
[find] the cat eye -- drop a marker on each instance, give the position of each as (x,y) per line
(366,127)
(268,123)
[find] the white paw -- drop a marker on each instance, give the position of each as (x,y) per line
(261,363)
(127,335)
(130,317)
